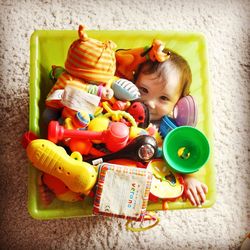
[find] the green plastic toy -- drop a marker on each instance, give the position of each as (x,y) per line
(186,149)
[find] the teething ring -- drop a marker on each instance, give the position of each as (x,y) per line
(117,115)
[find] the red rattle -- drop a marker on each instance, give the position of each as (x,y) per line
(115,137)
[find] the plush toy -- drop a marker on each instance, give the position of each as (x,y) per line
(128,60)
(87,79)
(140,113)
(51,187)
(90,59)
(89,66)
(105,93)
(80,97)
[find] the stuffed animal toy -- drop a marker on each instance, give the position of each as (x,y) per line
(140,113)
(128,60)
(89,66)
(87,79)
(51,187)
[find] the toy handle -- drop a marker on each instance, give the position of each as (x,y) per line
(142,149)
(57,133)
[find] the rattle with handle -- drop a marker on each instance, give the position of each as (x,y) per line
(143,149)
(115,137)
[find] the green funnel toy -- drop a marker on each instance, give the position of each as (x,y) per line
(186,149)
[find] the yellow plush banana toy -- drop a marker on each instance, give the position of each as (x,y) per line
(79,176)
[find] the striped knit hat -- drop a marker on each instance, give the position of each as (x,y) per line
(90,59)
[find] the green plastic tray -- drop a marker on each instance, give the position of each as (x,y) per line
(48,47)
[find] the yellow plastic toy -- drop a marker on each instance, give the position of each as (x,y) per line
(117,115)
(98,124)
(165,184)
(80,177)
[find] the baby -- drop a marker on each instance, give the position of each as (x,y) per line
(161,86)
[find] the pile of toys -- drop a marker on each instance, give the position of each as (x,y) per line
(94,115)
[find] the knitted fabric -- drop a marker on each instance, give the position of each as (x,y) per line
(90,59)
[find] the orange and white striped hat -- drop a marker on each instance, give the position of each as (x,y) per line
(90,59)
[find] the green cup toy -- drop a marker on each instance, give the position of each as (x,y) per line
(186,149)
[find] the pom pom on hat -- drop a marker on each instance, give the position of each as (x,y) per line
(90,59)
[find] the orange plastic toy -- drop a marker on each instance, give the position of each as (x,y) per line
(128,60)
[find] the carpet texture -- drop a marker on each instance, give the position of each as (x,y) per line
(225,24)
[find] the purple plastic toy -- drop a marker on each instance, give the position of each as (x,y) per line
(186,112)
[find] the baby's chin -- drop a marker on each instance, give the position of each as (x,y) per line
(154,117)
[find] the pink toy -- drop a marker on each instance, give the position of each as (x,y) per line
(186,111)
(115,137)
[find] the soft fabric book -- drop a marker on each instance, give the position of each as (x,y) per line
(122,191)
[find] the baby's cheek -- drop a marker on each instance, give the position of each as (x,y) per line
(165,109)
(142,98)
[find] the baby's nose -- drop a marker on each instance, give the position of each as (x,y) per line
(151,104)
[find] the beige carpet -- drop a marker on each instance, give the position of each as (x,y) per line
(225,23)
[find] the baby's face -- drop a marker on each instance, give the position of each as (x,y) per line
(160,95)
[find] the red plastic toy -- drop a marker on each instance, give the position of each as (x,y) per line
(115,137)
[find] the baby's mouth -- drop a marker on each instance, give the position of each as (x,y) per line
(151,112)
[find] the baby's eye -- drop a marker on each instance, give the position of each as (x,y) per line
(163,98)
(143,90)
